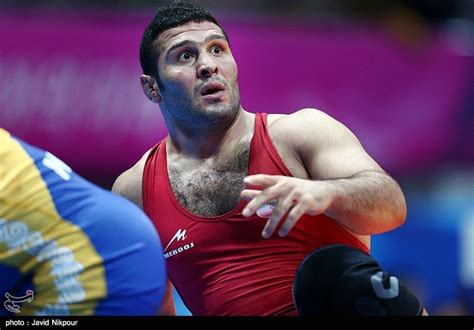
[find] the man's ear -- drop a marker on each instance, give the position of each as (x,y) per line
(150,88)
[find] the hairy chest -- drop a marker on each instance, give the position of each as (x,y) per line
(210,191)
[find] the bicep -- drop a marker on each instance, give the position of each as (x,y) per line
(330,150)
(342,162)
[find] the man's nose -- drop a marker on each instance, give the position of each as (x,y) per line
(207,66)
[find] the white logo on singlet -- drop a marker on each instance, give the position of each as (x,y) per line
(179,236)
(57,165)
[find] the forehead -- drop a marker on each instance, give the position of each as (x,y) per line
(191,31)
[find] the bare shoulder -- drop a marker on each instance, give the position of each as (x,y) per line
(307,117)
(129,183)
(289,133)
(312,128)
(305,124)
(272,118)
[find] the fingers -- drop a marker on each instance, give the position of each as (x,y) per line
(278,213)
(296,212)
(263,180)
(263,197)
(291,198)
(249,194)
(303,207)
(264,211)
(257,197)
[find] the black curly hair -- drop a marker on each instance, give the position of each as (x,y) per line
(170,16)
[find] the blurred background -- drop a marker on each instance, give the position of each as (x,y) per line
(399,74)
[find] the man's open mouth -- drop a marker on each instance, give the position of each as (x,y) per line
(212,88)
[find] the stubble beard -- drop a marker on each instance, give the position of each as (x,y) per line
(223,112)
(210,114)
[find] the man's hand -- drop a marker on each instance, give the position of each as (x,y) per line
(289,195)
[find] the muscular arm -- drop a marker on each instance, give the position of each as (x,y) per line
(364,198)
(367,203)
(343,182)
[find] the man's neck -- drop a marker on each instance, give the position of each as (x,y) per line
(210,141)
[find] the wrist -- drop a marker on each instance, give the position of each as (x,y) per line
(332,194)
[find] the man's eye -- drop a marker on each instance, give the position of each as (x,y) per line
(216,50)
(184,56)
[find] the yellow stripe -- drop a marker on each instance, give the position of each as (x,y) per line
(25,202)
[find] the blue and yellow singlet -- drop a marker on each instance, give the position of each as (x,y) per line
(76,248)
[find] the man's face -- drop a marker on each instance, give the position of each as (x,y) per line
(198,72)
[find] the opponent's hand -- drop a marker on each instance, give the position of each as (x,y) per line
(288,195)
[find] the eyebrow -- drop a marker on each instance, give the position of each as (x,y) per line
(186,42)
